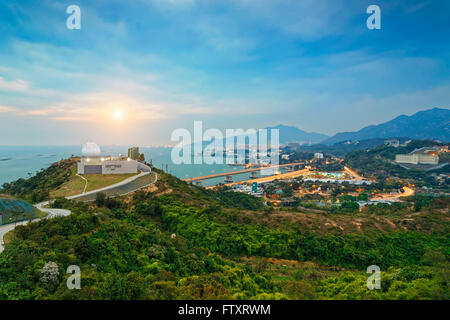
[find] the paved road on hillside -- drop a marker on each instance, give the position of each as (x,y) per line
(51,213)
(395,196)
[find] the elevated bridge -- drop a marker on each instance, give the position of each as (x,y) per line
(224,174)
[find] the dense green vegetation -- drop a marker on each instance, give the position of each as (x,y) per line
(191,243)
(179,241)
(215,230)
(198,196)
(162,249)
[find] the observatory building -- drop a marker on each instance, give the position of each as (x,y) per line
(92,162)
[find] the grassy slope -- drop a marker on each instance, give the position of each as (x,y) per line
(97,181)
(38,187)
(75,185)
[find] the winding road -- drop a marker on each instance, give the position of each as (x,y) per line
(407,192)
(51,213)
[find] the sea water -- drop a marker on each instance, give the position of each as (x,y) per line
(23,161)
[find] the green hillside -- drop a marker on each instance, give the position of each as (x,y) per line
(38,187)
(178,241)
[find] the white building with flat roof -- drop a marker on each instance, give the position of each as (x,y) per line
(93,163)
(417,158)
(318,155)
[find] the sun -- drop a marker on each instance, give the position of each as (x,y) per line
(117,115)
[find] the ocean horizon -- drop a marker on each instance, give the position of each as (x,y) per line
(24,161)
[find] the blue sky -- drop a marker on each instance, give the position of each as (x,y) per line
(139,69)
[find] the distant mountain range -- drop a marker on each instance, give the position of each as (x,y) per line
(293,134)
(429,124)
(340,149)
(286,134)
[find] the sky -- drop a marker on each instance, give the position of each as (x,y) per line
(137,70)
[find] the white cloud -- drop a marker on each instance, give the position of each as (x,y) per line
(15,85)
(4,109)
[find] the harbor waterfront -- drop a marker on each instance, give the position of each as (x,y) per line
(23,161)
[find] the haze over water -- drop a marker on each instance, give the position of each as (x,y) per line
(21,161)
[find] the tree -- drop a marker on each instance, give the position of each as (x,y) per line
(433,258)
(363,197)
(49,274)
(100,199)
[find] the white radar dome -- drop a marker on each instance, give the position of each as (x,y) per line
(91,149)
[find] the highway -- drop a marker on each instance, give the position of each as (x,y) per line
(287,175)
(231,173)
(353,173)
